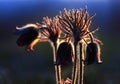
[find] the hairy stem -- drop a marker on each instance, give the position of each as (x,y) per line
(91,38)
(75,65)
(81,65)
(57,67)
(79,60)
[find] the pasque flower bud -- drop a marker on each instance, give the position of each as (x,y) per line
(28,37)
(64,54)
(92,54)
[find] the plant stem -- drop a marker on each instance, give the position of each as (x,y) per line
(75,65)
(57,67)
(81,65)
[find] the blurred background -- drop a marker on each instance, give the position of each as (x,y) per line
(20,67)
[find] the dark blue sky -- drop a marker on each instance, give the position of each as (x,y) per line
(26,11)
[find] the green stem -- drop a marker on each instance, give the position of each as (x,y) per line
(57,67)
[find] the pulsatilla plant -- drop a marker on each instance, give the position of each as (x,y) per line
(65,54)
(72,41)
(29,36)
(75,24)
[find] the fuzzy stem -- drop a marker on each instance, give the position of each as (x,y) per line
(75,65)
(91,38)
(57,67)
(79,60)
(81,74)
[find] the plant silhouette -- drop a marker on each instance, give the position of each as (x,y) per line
(71,38)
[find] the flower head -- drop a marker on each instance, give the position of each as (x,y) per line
(75,23)
(29,36)
(52,31)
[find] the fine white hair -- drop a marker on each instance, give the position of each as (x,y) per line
(26,26)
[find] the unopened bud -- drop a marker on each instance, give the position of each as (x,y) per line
(64,54)
(92,54)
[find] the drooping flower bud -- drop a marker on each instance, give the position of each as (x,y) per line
(92,54)
(28,37)
(64,54)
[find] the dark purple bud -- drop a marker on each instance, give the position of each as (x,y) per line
(93,54)
(64,54)
(27,36)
